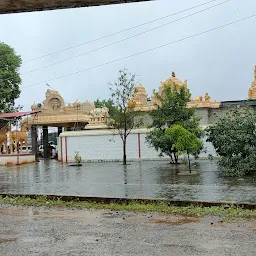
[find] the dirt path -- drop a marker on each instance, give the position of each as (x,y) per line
(43,231)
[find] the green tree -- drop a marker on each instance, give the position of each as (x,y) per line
(9,78)
(234,139)
(123,118)
(106,103)
(171,109)
(183,141)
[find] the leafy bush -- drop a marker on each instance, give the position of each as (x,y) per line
(78,158)
(234,139)
(183,141)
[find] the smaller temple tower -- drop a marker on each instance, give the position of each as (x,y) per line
(252,89)
(140,96)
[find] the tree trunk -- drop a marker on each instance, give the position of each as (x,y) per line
(189,165)
(124,151)
(176,158)
(172,162)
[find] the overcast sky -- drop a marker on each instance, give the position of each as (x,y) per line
(220,63)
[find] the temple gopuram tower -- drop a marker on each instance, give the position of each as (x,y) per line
(140,96)
(252,89)
(173,81)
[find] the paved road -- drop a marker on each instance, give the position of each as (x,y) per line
(42,231)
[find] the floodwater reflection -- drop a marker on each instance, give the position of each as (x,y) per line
(147,179)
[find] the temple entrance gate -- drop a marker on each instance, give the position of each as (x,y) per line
(54,112)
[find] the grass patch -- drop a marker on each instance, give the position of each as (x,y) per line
(230,213)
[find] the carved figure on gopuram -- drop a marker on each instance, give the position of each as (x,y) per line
(198,99)
(207,98)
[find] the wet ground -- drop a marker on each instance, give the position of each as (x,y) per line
(148,179)
(42,231)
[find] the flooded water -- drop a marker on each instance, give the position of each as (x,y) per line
(148,179)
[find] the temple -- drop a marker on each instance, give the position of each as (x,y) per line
(144,104)
(73,116)
(82,126)
(53,111)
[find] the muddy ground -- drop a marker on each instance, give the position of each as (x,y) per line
(43,231)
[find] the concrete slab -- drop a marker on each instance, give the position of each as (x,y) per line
(14,6)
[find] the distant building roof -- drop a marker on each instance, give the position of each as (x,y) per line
(17,114)
(237,103)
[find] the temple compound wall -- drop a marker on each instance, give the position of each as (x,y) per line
(210,116)
(106,145)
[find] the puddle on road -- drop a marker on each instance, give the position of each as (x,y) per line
(7,240)
(7,232)
(51,214)
(8,212)
(174,223)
